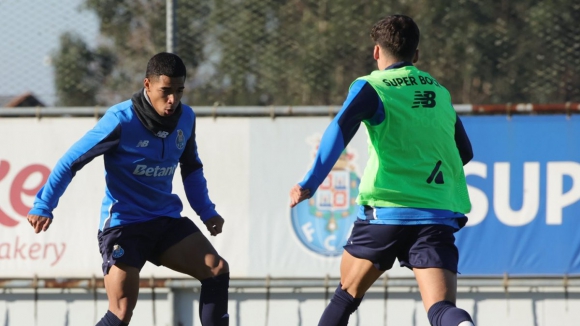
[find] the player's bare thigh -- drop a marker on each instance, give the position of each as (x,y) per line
(357,275)
(194,255)
(436,284)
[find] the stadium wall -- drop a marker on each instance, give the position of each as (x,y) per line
(524,183)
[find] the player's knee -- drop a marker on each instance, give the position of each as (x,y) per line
(123,309)
(344,298)
(225,266)
(215,283)
(110,319)
(124,313)
(222,267)
(126,316)
(353,288)
(445,313)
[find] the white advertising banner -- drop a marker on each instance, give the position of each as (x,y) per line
(250,165)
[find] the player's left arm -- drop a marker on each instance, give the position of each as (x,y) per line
(462,142)
(362,103)
(195,186)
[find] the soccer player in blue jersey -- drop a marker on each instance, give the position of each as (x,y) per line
(413,195)
(143,140)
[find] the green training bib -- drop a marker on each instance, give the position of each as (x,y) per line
(413,158)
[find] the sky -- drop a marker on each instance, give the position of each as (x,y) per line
(29,34)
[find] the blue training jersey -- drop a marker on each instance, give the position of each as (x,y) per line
(139,169)
(364,104)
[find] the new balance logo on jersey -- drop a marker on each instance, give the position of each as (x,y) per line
(162,134)
(156,171)
(436,174)
(424,99)
(143,143)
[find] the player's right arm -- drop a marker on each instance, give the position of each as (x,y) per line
(362,103)
(195,186)
(102,138)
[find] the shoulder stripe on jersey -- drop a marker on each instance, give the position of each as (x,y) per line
(108,143)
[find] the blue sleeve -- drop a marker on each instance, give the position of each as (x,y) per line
(194,182)
(362,103)
(462,142)
(102,138)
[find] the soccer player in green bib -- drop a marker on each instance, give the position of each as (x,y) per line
(413,195)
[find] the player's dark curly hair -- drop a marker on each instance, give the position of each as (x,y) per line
(398,35)
(167,64)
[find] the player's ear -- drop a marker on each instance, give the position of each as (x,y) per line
(416,57)
(376,52)
(146,83)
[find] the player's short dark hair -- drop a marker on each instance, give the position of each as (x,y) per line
(167,64)
(398,35)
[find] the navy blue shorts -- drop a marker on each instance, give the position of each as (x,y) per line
(134,244)
(421,246)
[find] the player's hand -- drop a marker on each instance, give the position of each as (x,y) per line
(39,223)
(297,194)
(214,225)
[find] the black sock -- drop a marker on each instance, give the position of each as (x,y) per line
(213,301)
(338,311)
(444,313)
(111,320)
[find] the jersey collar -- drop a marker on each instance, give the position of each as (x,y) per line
(399,64)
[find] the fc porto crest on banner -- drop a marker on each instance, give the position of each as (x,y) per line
(323,222)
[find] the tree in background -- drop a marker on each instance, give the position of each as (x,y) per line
(295,52)
(555,55)
(307,52)
(79,71)
(503,51)
(136,31)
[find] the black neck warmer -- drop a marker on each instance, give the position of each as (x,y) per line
(158,125)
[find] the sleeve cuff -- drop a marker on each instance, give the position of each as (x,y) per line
(207,214)
(40,212)
(311,183)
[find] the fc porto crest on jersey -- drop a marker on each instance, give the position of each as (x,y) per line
(323,222)
(180,139)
